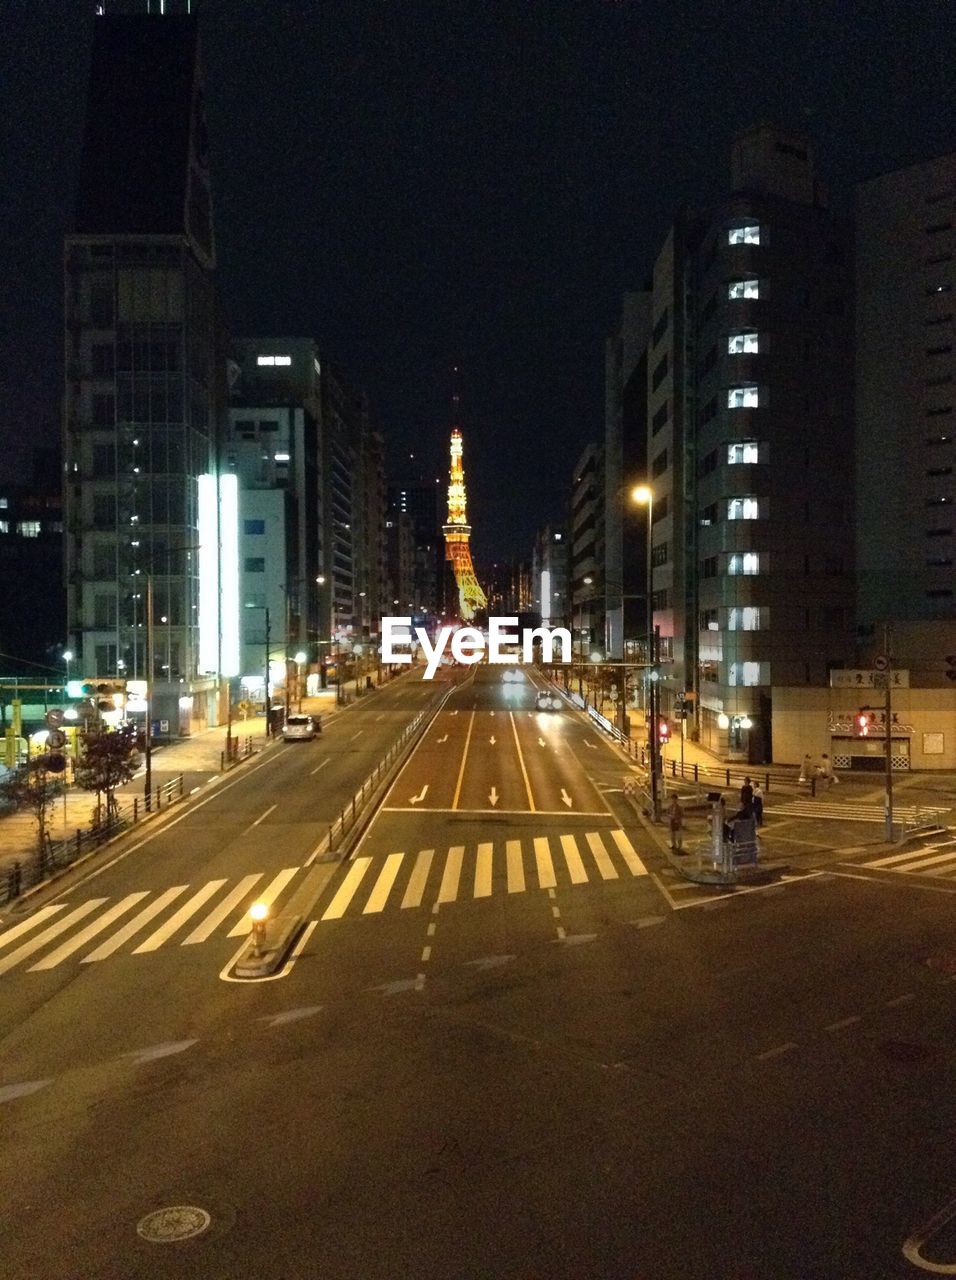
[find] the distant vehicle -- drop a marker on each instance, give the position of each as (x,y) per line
(547,701)
(512,676)
(301,728)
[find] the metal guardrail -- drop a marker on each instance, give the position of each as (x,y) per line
(59,854)
(347,819)
(238,750)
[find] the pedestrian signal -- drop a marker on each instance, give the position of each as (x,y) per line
(863,724)
(663,731)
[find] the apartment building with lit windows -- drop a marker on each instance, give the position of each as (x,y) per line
(750,442)
(906,395)
(144,390)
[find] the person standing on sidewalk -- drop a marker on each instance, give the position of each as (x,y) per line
(757,802)
(746,797)
(826,772)
(675,818)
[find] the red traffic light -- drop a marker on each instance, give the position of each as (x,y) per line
(863,723)
(663,730)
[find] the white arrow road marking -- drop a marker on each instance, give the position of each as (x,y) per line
(11,1091)
(443,738)
(541,742)
(160,1050)
(492,739)
(453,713)
(589,743)
(492,713)
(401,984)
(420,797)
(489,962)
(290,1015)
(493,796)
(566,798)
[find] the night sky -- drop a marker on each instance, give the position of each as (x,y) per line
(468,181)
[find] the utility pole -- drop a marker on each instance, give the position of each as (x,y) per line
(267,702)
(888,676)
(148,776)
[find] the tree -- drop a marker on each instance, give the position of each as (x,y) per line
(32,786)
(108,758)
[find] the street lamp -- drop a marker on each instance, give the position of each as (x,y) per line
(67,658)
(643,495)
(300,658)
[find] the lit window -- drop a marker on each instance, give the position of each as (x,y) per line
(748,674)
(746,618)
(745,397)
(743,289)
(282,457)
(4,526)
(3,504)
(273,360)
(743,235)
(739,343)
(743,451)
(28,528)
(744,562)
(742,509)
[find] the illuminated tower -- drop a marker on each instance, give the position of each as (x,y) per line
(457,531)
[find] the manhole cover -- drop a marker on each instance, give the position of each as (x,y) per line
(179,1222)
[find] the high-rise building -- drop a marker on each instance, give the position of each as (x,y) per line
(586,554)
(424,505)
(906,394)
(750,444)
(549,576)
(624,573)
(144,392)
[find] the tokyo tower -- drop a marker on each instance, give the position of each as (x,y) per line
(457,532)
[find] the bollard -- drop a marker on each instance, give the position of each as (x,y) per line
(728,777)
(766,782)
(79,841)
(695,773)
(135,809)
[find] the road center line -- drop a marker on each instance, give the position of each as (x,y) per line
(261,818)
(464,757)
(322,765)
(524,771)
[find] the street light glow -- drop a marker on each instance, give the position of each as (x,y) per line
(300,657)
(642,493)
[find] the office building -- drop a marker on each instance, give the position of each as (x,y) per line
(906,394)
(144,394)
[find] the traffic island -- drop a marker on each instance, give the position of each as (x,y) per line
(268,947)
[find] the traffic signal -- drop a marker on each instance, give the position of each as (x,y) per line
(663,731)
(951,666)
(863,724)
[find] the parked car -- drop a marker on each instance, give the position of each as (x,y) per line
(301,728)
(546,701)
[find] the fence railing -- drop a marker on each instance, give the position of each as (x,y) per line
(57,854)
(670,768)
(352,811)
(237,749)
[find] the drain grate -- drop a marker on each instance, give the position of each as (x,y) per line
(178,1222)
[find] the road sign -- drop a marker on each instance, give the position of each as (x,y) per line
(55,739)
(881,663)
(54,717)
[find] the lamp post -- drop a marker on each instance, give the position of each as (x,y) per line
(643,495)
(323,676)
(300,658)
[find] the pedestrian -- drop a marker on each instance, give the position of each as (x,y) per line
(806,769)
(746,796)
(676,820)
(758,804)
(826,771)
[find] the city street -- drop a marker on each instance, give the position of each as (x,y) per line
(500,1051)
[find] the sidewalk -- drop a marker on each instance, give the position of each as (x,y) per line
(198,757)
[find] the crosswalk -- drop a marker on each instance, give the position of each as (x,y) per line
(139,922)
(405,880)
(936,860)
(184,915)
(852,812)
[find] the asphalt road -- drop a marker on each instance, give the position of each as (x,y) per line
(510,1058)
